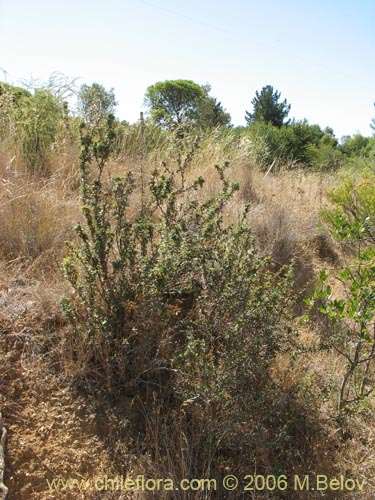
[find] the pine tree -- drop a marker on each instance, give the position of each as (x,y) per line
(212,114)
(267,108)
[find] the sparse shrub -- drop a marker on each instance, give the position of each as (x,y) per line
(7,114)
(351,313)
(171,301)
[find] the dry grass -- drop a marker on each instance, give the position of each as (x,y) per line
(38,215)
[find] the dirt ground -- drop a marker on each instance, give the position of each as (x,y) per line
(56,436)
(65,444)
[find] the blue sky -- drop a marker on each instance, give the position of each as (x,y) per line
(320,55)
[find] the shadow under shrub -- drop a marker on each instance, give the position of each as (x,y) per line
(280,434)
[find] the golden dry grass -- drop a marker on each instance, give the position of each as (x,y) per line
(39,214)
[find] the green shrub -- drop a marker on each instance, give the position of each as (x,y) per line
(298,143)
(355,145)
(32,125)
(326,157)
(170,305)
(38,120)
(353,213)
(351,312)
(294,143)
(168,291)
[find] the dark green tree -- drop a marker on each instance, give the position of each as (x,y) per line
(212,114)
(267,108)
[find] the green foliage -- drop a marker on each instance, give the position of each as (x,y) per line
(95,103)
(326,157)
(16,92)
(290,143)
(353,215)
(38,119)
(173,101)
(176,103)
(211,114)
(352,312)
(7,113)
(164,291)
(356,145)
(329,138)
(299,142)
(267,108)
(370,148)
(33,123)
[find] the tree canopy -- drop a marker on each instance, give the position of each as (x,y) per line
(173,102)
(212,114)
(16,92)
(95,103)
(267,108)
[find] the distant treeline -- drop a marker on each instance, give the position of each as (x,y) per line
(39,118)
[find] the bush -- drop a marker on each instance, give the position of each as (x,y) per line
(296,143)
(38,120)
(356,145)
(170,303)
(326,157)
(169,291)
(351,313)
(32,124)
